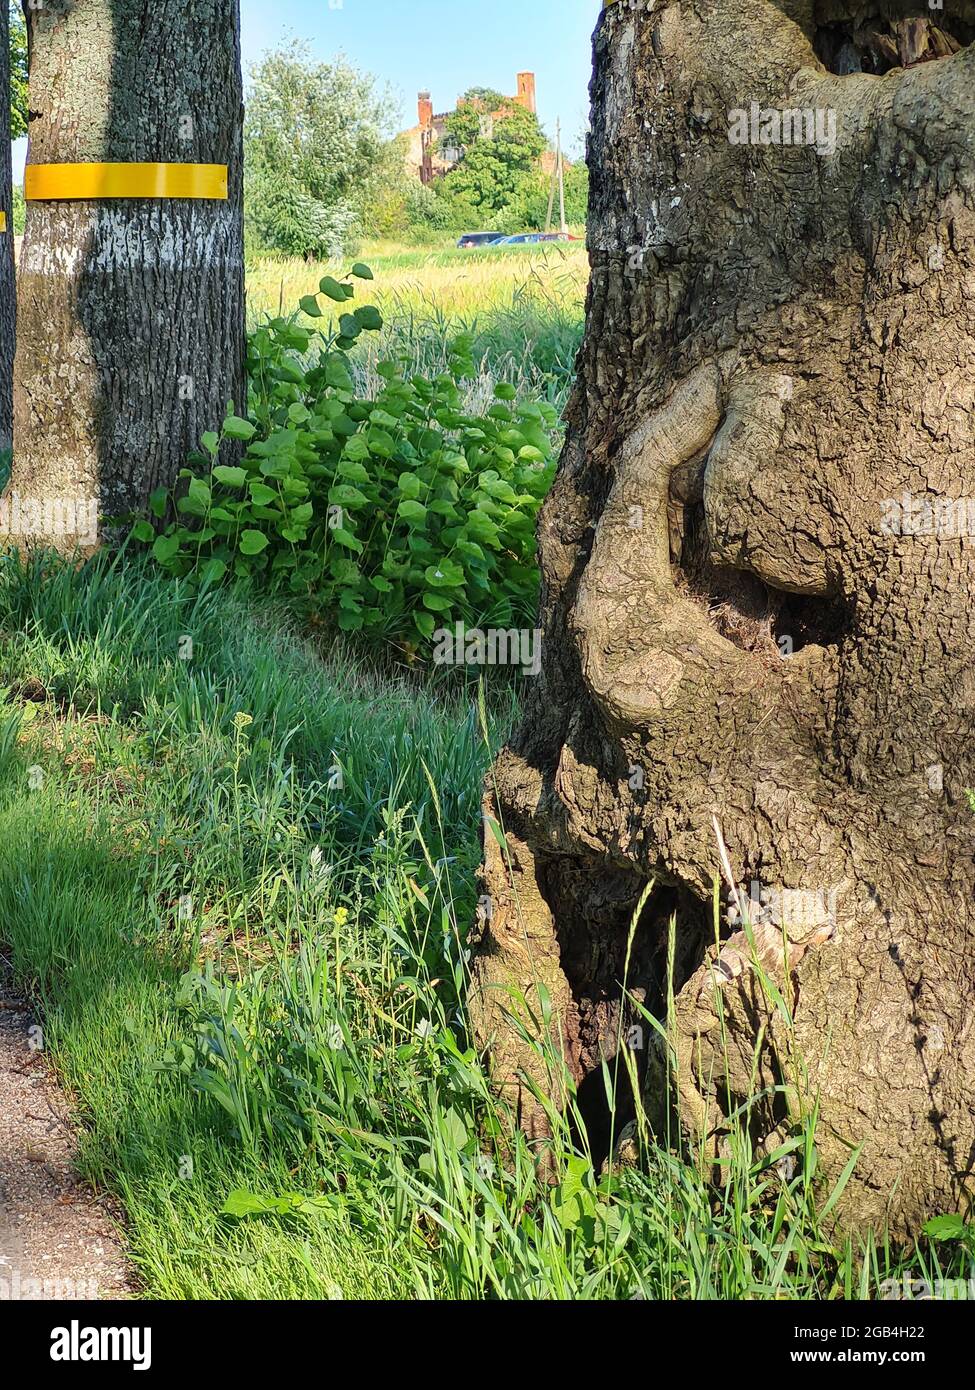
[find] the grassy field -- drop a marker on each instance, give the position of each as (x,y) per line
(237,878)
(523,305)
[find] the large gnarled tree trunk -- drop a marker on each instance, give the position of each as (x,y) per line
(740,625)
(131,322)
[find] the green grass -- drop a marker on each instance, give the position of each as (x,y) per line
(523,306)
(239,892)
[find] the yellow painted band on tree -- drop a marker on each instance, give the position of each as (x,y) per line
(56,182)
(3,221)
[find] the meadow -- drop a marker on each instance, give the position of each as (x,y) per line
(524,305)
(237,876)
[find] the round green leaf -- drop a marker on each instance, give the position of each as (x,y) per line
(262,495)
(236,428)
(253,542)
(213,571)
(945,1228)
(232,477)
(335,291)
(413,512)
(369,317)
(165,549)
(437,603)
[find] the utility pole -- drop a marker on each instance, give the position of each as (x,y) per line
(563,225)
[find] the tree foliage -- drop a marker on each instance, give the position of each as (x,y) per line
(495,168)
(399,205)
(18,72)
(530,211)
(487,97)
(315,148)
(466,124)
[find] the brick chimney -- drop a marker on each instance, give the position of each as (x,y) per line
(526,90)
(424,106)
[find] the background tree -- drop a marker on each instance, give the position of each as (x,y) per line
(8,308)
(474,110)
(17,48)
(131,322)
(495,168)
(530,208)
(398,205)
(742,628)
(316,152)
(488,98)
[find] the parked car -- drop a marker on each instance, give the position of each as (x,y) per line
(470,239)
(532,238)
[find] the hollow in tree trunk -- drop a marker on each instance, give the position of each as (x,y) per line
(758,566)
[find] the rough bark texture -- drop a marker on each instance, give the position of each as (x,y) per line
(8,308)
(779,339)
(131,332)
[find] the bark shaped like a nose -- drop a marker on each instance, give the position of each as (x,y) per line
(761,515)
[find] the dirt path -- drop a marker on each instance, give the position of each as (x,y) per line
(57,1239)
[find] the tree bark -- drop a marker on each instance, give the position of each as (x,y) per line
(780,342)
(8,308)
(131,312)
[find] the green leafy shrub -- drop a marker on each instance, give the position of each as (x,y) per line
(393,516)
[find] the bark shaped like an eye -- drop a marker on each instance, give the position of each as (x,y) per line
(762,514)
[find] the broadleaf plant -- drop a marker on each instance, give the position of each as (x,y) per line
(391,516)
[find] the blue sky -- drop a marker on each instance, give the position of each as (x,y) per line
(444,45)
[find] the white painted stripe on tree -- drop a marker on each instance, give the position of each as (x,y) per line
(159,241)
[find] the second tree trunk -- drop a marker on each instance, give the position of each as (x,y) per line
(131,319)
